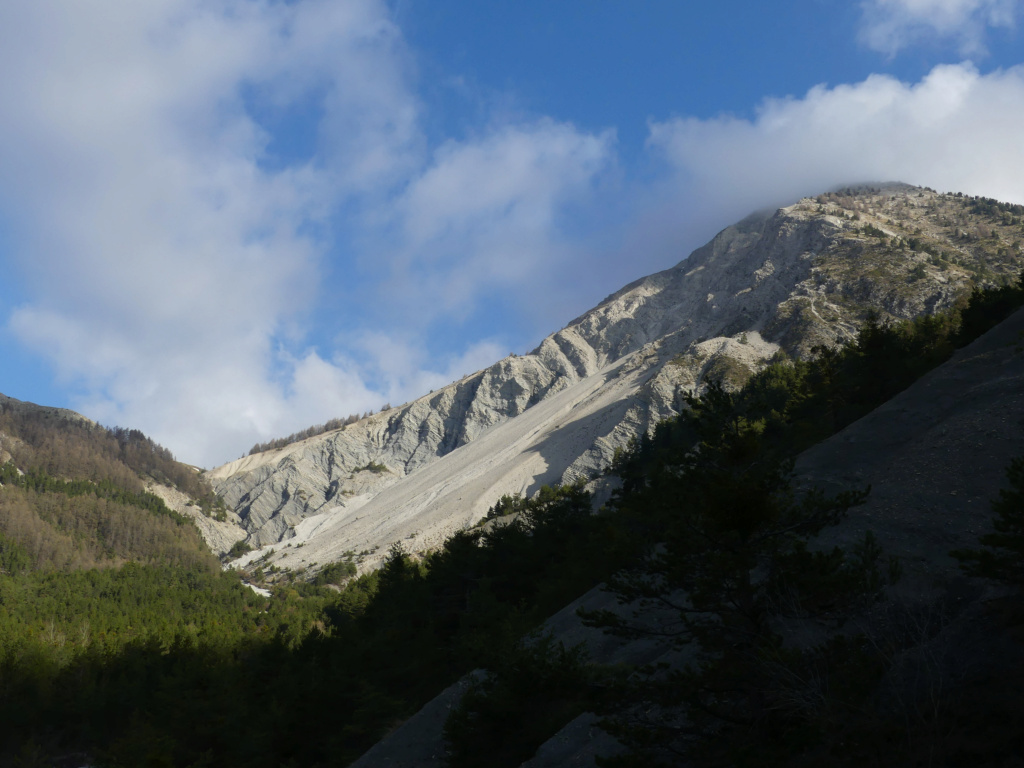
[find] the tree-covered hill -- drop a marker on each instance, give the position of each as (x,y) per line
(74,494)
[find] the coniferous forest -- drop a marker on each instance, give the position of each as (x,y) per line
(122,643)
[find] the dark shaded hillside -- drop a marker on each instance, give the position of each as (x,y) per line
(927,671)
(706,522)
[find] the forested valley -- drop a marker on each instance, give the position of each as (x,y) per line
(123,644)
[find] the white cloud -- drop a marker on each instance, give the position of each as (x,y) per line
(486,214)
(404,370)
(956,130)
(165,247)
(889,26)
(172,256)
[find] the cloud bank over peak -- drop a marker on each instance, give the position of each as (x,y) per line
(889,26)
(954,130)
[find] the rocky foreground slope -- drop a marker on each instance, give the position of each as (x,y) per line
(804,275)
(934,456)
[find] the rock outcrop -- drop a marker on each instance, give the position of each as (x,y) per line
(219,535)
(805,275)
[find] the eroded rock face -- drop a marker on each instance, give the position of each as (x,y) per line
(805,275)
(219,535)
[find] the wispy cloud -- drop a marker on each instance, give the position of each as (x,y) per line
(173,251)
(165,246)
(889,26)
(485,213)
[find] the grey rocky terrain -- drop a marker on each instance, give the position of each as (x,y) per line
(219,535)
(788,280)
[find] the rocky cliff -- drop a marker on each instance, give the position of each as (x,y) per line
(801,276)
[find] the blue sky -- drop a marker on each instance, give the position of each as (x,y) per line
(224,220)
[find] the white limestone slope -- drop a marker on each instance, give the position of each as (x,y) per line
(518,455)
(219,535)
(801,276)
(617,359)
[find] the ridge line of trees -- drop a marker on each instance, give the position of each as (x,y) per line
(313,431)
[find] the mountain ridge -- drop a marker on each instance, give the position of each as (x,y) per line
(805,275)
(370,650)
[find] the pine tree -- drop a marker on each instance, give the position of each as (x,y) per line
(1003,556)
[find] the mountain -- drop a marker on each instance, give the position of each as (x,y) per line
(122,642)
(780,282)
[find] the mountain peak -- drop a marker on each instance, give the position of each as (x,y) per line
(805,275)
